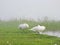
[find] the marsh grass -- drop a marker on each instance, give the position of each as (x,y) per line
(11,35)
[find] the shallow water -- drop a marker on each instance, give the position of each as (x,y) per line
(52,33)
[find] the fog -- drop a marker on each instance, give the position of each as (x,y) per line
(10,9)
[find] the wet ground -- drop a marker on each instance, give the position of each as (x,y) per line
(52,33)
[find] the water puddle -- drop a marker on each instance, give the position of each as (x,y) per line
(52,33)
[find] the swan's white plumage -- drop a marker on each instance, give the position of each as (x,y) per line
(23,26)
(38,28)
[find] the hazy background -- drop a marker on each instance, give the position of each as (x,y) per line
(10,9)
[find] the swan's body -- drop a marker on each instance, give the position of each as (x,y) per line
(38,28)
(23,26)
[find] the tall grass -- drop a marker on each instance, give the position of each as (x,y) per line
(11,35)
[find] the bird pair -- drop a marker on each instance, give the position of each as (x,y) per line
(38,28)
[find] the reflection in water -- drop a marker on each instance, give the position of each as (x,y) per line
(52,33)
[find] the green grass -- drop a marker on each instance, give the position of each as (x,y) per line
(14,36)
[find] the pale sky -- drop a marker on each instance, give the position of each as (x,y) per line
(30,8)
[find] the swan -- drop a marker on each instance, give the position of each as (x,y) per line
(23,26)
(38,29)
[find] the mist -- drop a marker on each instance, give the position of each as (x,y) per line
(35,9)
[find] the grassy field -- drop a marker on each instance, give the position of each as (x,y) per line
(11,35)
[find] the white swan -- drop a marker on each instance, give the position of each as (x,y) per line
(38,29)
(23,26)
